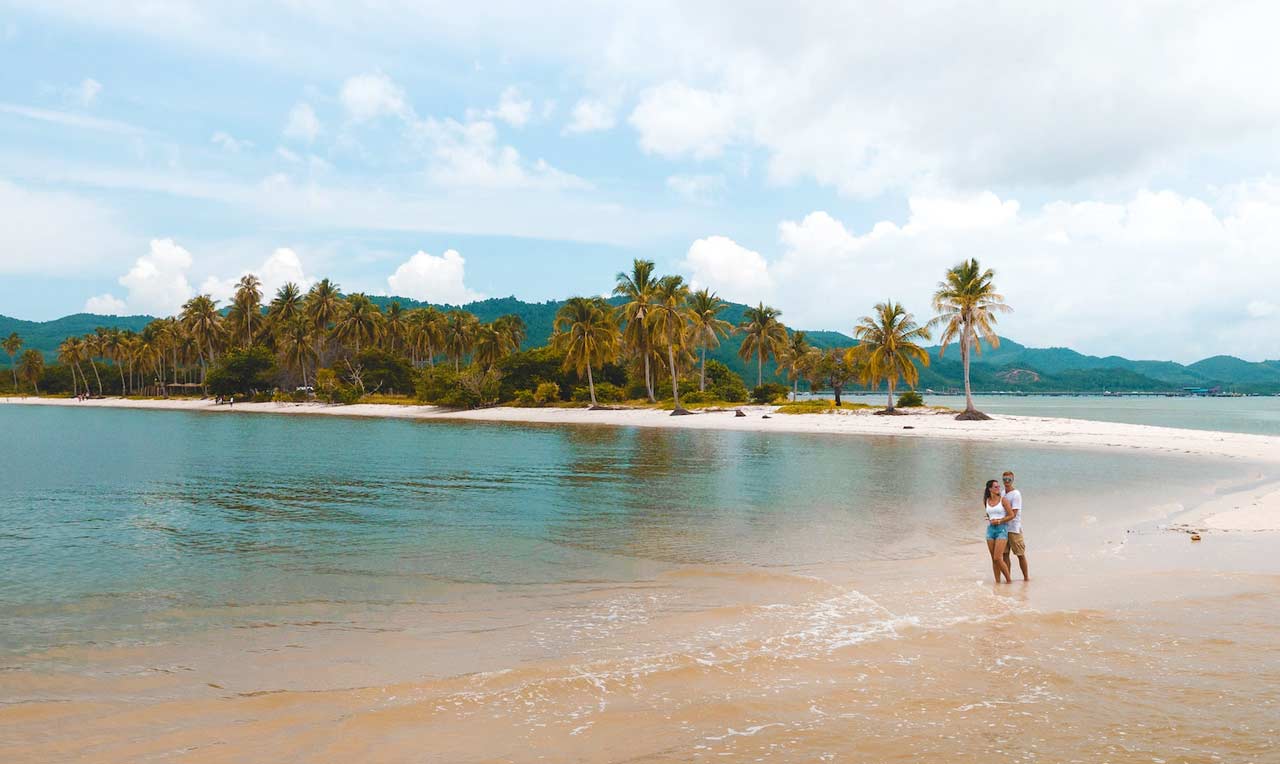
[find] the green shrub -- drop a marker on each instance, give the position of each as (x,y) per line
(769,392)
(607,392)
(546,393)
(697,397)
(733,390)
(525,399)
(344,395)
(910,399)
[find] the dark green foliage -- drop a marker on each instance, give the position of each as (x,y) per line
(383,372)
(470,388)
(243,372)
(723,384)
(769,392)
(607,392)
(57,379)
(910,399)
(528,369)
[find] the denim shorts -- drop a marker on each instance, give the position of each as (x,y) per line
(995,532)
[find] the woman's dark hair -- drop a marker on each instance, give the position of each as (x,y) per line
(986,492)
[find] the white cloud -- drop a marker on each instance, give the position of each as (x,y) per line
(229,143)
(86,93)
(281,267)
(512,108)
(302,124)
(434,279)
(56,233)
(157,283)
(1158,276)
(371,96)
(468,155)
(106,305)
(590,115)
(675,120)
(735,272)
(696,188)
(287,155)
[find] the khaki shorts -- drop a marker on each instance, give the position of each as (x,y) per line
(1016,544)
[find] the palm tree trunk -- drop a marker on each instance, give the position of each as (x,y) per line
(964,361)
(890,406)
(96,375)
(675,387)
(591,385)
(702,378)
(836,388)
(123,389)
(759,368)
(648,376)
(795,389)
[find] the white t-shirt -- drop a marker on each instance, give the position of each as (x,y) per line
(1015,501)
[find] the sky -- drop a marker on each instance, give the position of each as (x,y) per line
(1116,165)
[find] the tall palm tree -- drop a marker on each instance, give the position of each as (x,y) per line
(887,347)
(360,321)
(69,354)
(247,305)
(458,334)
(966,304)
(638,288)
(96,345)
(395,327)
(704,310)
(293,341)
(765,336)
(114,349)
(670,327)
(201,320)
(322,306)
(425,333)
(31,366)
(12,344)
(586,331)
(513,328)
(286,305)
(491,344)
(792,359)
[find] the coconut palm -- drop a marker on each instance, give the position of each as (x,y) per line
(113,349)
(638,288)
(69,354)
(887,347)
(669,327)
(491,344)
(966,304)
(293,341)
(792,358)
(246,305)
(707,328)
(586,331)
(286,305)
(513,327)
(31,366)
(765,336)
(322,306)
(425,329)
(96,346)
(12,344)
(458,334)
(395,327)
(360,321)
(201,320)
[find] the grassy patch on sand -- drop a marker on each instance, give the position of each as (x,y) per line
(819,406)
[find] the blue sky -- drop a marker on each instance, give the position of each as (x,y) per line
(1116,170)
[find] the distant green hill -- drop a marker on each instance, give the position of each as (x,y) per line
(1010,367)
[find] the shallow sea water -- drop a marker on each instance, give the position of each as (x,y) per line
(213,587)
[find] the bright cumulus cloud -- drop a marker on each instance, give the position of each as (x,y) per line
(370,96)
(1158,275)
(429,278)
(283,266)
(156,284)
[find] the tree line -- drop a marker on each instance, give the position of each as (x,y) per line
(650,342)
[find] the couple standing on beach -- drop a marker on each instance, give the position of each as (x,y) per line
(1003,502)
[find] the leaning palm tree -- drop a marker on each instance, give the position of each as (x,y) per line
(114,350)
(765,337)
(458,334)
(669,327)
(201,320)
(586,331)
(12,344)
(792,360)
(360,321)
(887,347)
(704,310)
(31,366)
(97,345)
(966,304)
(247,305)
(638,288)
(69,354)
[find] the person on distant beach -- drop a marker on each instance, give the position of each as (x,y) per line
(997,529)
(1013,505)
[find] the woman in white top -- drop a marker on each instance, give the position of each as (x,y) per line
(997,530)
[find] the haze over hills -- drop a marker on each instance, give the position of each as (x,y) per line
(1010,367)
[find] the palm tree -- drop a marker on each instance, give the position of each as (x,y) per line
(247,304)
(286,305)
(425,332)
(360,321)
(69,353)
(966,304)
(887,347)
(792,358)
(201,320)
(113,350)
(638,288)
(458,335)
(322,306)
(708,328)
(491,344)
(12,344)
(765,336)
(586,331)
(513,327)
(295,346)
(669,327)
(31,366)
(96,346)
(395,327)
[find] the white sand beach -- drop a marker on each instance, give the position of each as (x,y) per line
(1257,509)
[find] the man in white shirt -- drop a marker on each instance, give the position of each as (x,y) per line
(1013,506)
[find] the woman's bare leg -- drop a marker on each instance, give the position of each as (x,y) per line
(997,560)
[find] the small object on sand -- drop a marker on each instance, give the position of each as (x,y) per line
(1195,537)
(766,416)
(738,413)
(908,426)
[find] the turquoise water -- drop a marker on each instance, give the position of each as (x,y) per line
(131,526)
(1258,415)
